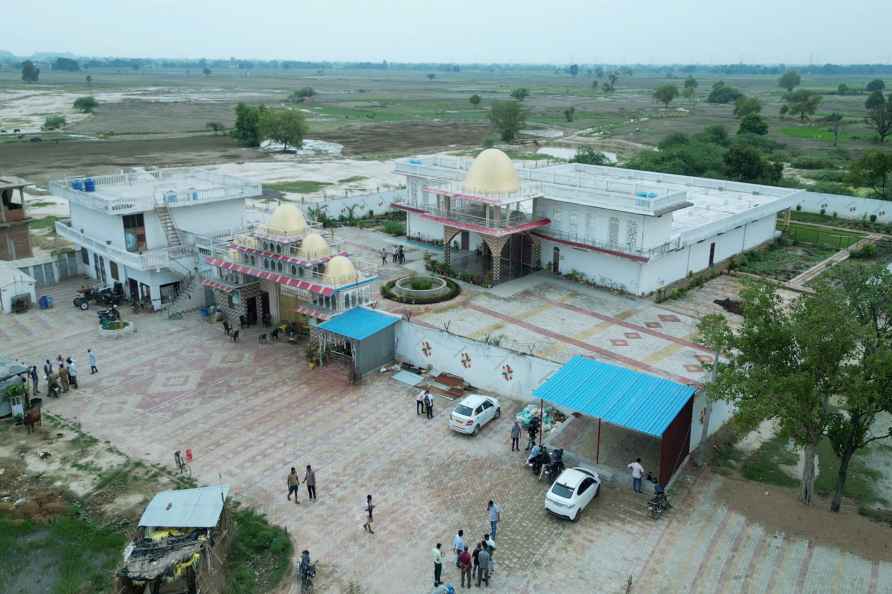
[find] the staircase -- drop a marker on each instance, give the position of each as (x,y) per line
(187,286)
(170,229)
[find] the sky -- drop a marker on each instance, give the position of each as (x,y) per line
(463,31)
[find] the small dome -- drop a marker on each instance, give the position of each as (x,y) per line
(313,247)
(492,173)
(234,255)
(287,220)
(340,271)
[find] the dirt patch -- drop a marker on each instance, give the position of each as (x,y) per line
(405,137)
(780,510)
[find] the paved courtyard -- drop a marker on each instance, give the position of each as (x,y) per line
(250,411)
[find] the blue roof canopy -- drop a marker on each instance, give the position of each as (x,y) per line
(185,508)
(359,323)
(617,395)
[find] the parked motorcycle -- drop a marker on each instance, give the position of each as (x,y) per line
(555,465)
(537,459)
(109,315)
(659,503)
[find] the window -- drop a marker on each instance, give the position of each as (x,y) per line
(562,490)
(278,248)
(293,270)
(85,256)
(113,267)
(583,487)
(234,299)
(279,266)
(134,232)
(463,410)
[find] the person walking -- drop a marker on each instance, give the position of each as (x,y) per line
(383,256)
(515,436)
(48,369)
(475,556)
(458,545)
(310,482)
(34,379)
(495,516)
(429,404)
(419,403)
(401,255)
(483,563)
(293,485)
(72,373)
(438,564)
(637,472)
(464,565)
(396,255)
(91,358)
(63,377)
(369,518)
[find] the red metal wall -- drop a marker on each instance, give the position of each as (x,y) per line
(676,442)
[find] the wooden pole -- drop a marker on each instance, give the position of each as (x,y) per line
(541,419)
(598,445)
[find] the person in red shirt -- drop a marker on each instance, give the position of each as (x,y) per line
(464,563)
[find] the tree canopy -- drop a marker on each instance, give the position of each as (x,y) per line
(589,156)
(745,106)
(284,126)
(86,104)
(802,102)
(520,93)
(301,95)
(30,72)
(665,94)
(746,164)
(874,170)
(753,123)
(879,114)
(876,84)
(474,99)
(245,129)
(508,117)
(66,65)
(789,80)
(722,93)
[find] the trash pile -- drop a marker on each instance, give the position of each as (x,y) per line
(550,417)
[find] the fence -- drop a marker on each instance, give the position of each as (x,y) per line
(846,207)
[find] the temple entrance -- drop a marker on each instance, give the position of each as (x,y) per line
(479,265)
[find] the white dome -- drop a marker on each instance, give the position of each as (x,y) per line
(313,247)
(492,173)
(340,271)
(287,220)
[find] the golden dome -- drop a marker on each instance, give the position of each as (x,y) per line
(313,247)
(287,220)
(492,173)
(340,271)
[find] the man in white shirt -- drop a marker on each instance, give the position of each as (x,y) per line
(458,545)
(637,472)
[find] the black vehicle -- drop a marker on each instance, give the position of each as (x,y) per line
(555,465)
(109,315)
(537,459)
(109,296)
(659,503)
(84,297)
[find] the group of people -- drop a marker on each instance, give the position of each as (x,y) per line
(476,564)
(424,404)
(294,484)
(398,256)
(61,375)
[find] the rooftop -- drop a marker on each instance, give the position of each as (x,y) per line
(142,191)
(185,508)
(359,323)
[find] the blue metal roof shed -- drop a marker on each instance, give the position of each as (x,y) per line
(617,395)
(359,323)
(185,508)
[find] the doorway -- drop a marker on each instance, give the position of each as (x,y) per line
(264,307)
(556,260)
(251,311)
(711,254)
(465,241)
(133,288)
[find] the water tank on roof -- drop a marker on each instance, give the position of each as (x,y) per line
(77,185)
(90,184)
(414,161)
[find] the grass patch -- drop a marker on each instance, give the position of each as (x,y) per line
(723,455)
(782,261)
(48,222)
(298,186)
(260,554)
(352,179)
(764,465)
(861,480)
(829,238)
(394,228)
(857,224)
(815,133)
(69,554)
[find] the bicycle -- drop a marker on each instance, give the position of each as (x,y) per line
(306,578)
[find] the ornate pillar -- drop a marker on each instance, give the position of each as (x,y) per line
(448,234)
(537,251)
(495,247)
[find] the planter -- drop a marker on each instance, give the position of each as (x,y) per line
(421,288)
(117,329)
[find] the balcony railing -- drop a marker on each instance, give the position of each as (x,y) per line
(623,248)
(507,222)
(145,260)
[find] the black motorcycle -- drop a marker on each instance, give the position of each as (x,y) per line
(109,315)
(537,459)
(659,503)
(555,465)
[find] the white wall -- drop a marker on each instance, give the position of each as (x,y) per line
(721,414)
(846,207)
(428,230)
(377,202)
(9,291)
(98,225)
(487,362)
(602,269)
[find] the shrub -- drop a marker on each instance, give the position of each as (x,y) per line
(866,252)
(421,284)
(53,122)
(394,228)
(86,104)
(454,290)
(812,163)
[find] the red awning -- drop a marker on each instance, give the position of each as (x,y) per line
(283,257)
(275,277)
(215,285)
(312,312)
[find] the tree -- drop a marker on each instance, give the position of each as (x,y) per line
(431,76)
(215,127)
(508,117)
(86,104)
(746,164)
(89,80)
(879,114)
(835,120)
(610,84)
(30,72)
(874,170)
(802,102)
(866,388)
(66,65)
(570,113)
(745,106)
(574,69)
(206,71)
(284,126)
(784,364)
(599,72)
(714,334)
(789,80)
(246,120)
(722,93)
(54,122)
(301,95)
(474,99)
(716,134)
(689,91)
(876,84)
(520,93)
(589,156)
(665,94)
(753,124)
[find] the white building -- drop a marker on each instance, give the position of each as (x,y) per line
(621,228)
(15,284)
(139,229)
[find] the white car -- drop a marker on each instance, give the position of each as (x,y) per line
(473,412)
(572,491)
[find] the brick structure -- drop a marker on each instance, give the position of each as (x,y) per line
(15,239)
(233,312)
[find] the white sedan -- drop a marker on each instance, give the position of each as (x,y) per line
(572,491)
(473,412)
